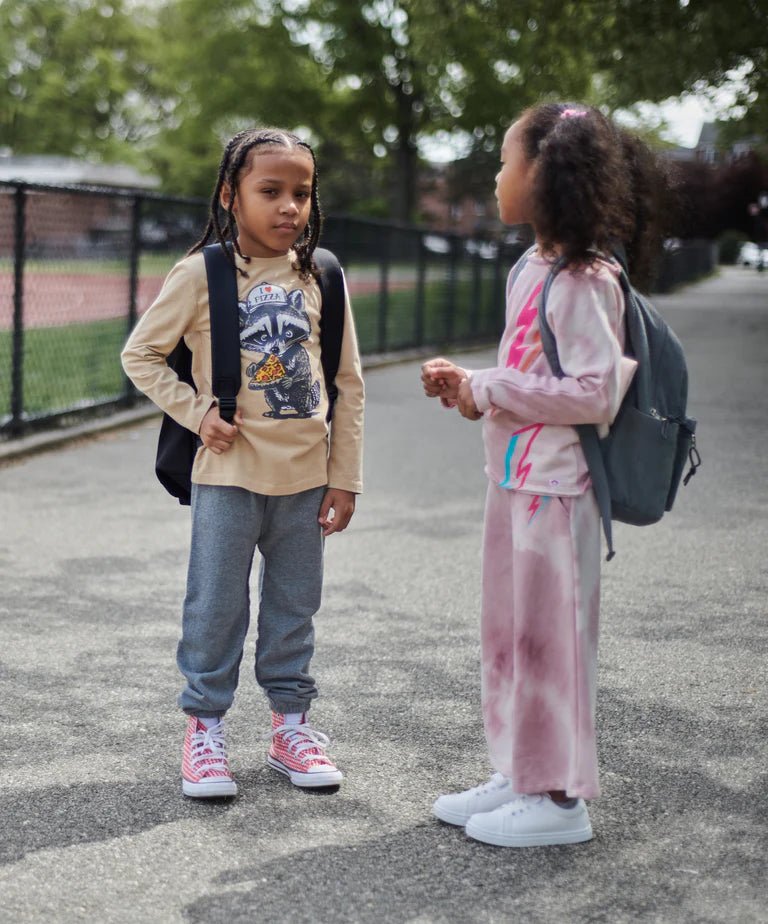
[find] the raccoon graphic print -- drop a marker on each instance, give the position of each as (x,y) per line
(275,324)
(284,443)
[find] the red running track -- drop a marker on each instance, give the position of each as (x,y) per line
(55,300)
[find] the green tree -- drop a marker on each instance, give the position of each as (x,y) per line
(404,69)
(369,81)
(660,48)
(654,49)
(219,66)
(71,73)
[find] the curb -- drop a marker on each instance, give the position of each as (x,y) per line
(53,439)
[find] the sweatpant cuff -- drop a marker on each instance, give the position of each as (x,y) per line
(202,714)
(285,708)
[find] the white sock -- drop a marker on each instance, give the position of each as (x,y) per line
(209,720)
(293,718)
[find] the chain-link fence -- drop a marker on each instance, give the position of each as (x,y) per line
(79,265)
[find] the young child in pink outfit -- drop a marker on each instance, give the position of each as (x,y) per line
(585,187)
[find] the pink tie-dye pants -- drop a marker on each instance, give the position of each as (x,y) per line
(539,628)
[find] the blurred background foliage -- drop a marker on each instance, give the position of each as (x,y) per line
(375,85)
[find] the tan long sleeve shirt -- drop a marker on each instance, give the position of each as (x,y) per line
(284,444)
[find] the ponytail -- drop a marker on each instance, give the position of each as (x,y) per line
(595,186)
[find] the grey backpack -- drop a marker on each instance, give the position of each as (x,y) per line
(636,469)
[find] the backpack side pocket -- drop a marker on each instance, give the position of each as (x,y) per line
(640,454)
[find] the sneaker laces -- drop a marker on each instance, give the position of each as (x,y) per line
(208,751)
(497,781)
(303,742)
(523,803)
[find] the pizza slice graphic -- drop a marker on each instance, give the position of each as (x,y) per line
(272,370)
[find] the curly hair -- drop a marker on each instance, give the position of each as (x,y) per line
(654,205)
(238,155)
(595,187)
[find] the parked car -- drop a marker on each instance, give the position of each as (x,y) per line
(486,250)
(435,243)
(755,255)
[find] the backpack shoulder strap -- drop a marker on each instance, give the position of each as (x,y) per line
(548,342)
(590,442)
(333,294)
(520,264)
(225,328)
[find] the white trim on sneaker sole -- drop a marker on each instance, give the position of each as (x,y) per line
(317,779)
(209,789)
(477,833)
(450,817)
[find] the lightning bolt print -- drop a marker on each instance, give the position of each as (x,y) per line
(523,350)
(524,321)
(523,466)
(538,503)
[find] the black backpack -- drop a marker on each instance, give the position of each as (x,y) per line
(176,445)
(636,469)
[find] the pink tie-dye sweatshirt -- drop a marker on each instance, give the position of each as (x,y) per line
(530,441)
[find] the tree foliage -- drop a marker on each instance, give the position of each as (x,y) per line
(368,81)
(715,199)
(72,72)
(230,64)
(653,49)
(405,69)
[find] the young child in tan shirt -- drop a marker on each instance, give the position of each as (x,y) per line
(280,478)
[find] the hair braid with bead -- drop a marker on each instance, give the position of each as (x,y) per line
(238,152)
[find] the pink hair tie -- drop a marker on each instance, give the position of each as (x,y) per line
(573,113)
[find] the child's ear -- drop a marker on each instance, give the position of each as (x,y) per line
(226,192)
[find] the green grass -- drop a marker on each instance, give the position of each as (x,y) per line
(65,366)
(477,312)
(150,264)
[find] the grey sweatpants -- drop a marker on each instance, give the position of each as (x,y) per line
(228,525)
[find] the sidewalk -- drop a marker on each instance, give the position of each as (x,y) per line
(93,556)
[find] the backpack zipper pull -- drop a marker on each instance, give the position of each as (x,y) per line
(694,458)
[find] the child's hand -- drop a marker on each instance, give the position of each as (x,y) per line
(343,505)
(466,402)
(441,379)
(216,434)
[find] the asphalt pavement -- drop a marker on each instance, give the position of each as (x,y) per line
(93,554)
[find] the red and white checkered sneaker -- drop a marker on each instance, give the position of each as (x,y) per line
(298,751)
(205,766)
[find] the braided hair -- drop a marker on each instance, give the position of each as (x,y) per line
(238,152)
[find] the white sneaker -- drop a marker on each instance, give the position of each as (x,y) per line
(457,808)
(532,821)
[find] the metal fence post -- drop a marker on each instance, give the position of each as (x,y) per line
(497,291)
(129,395)
(17,355)
(343,248)
(421,276)
(476,298)
(453,272)
(384,290)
